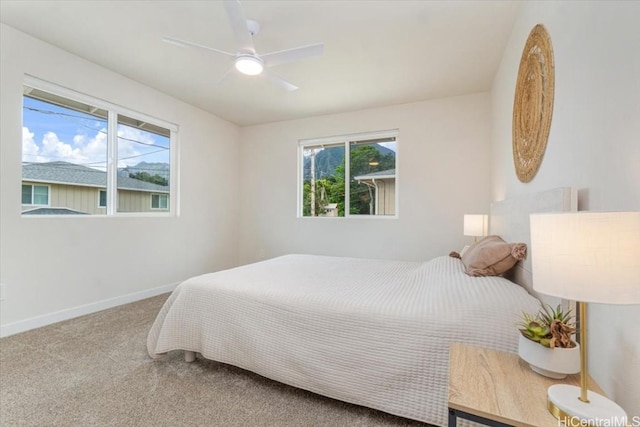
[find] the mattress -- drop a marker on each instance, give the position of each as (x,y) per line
(370,332)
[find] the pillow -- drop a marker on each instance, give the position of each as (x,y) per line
(454,254)
(492,256)
(465,249)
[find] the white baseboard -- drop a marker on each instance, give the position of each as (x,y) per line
(58,316)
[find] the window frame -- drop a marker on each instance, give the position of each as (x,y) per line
(33,193)
(100,191)
(114,111)
(346,141)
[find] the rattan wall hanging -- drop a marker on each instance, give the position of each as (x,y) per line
(533,103)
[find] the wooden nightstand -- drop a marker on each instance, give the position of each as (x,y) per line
(499,389)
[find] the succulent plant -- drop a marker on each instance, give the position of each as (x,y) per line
(550,328)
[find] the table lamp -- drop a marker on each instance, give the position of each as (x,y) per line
(587,257)
(475,225)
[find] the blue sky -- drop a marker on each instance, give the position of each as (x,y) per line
(53,133)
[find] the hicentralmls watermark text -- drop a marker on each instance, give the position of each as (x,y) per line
(601,422)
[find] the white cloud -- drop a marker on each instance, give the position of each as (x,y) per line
(129,140)
(128,148)
(53,148)
(83,150)
(96,148)
(30,150)
(80,139)
(87,150)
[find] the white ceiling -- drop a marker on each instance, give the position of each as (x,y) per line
(376,52)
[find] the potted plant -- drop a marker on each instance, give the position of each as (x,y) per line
(546,342)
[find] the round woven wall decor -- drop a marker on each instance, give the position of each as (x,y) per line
(533,103)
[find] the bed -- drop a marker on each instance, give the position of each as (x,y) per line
(370,332)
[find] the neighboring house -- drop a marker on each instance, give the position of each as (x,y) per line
(330,210)
(63,188)
(382,186)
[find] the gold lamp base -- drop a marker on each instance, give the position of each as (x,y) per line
(565,404)
(579,406)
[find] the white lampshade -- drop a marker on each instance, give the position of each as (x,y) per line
(587,256)
(249,65)
(475,225)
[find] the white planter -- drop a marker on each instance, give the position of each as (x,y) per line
(550,362)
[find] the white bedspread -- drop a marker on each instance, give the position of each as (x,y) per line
(370,332)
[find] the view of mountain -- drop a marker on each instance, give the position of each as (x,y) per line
(328,159)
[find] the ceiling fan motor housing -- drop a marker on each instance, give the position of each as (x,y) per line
(253,27)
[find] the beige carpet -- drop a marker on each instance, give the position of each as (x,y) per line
(95,371)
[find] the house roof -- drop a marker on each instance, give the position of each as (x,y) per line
(74,174)
(385,174)
(53,211)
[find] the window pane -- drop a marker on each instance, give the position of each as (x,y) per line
(144,162)
(26,195)
(323,181)
(40,195)
(64,142)
(164,202)
(373,177)
(103,198)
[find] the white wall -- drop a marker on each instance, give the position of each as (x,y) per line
(444,173)
(50,265)
(594,146)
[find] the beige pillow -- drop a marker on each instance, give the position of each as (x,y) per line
(492,256)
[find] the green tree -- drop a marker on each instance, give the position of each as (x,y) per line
(331,195)
(362,162)
(147,177)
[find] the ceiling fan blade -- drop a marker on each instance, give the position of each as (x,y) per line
(227,76)
(184,43)
(295,54)
(239,25)
(279,81)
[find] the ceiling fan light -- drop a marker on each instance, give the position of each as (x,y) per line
(249,65)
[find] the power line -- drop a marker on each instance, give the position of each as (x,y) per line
(58,113)
(89,163)
(67,116)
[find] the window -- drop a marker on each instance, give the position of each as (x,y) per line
(75,145)
(35,195)
(144,159)
(348,176)
(159,201)
(102,196)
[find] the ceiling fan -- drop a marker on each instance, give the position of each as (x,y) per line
(246,60)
